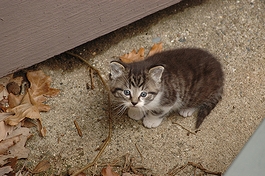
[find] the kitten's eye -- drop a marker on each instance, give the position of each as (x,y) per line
(143,94)
(126,92)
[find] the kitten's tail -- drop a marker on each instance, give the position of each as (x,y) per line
(206,108)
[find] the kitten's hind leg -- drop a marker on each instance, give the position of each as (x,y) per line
(187,112)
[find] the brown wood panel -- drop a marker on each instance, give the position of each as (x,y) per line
(32,30)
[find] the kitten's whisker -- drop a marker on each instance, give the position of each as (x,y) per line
(118,106)
(122,109)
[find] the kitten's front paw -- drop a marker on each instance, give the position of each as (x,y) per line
(187,112)
(152,122)
(135,113)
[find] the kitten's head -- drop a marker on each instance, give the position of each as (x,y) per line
(134,85)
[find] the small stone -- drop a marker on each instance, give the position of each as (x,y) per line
(156,40)
(182,40)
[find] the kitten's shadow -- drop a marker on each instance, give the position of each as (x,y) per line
(124,121)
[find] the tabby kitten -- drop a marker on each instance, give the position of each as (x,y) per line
(185,79)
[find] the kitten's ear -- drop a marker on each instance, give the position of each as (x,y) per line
(116,70)
(156,73)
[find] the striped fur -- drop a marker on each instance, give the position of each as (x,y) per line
(183,79)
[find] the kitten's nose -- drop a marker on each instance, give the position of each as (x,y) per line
(134,103)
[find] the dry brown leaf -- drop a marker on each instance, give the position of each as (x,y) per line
(17,80)
(4,115)
(43,165)
(41,128)
(29,105)
(156,48)
(25,109)
(40,89)
(6,144)
(43,131)
(2,87)
(133,56)
(3,133)
(27,123)
(4,104)
(14,100)
(6,79)
(12,162)
(18,150)
(3,93)
(5,129)
(108,172)
(5,170)
(40,86)
(3,97)
(32,102)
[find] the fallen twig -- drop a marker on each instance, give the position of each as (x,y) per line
(171,171)
(139,151)
(184,128)
(176,169)
(127,163)
(106,142)
(133,168)
(199,166)
(78,129)
(92,79)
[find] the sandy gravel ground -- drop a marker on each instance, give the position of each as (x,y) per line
(233,30)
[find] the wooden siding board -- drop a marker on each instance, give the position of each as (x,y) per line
(32,31)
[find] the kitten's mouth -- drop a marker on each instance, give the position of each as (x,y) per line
(135,107)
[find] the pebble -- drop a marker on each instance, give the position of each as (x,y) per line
(156,40)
